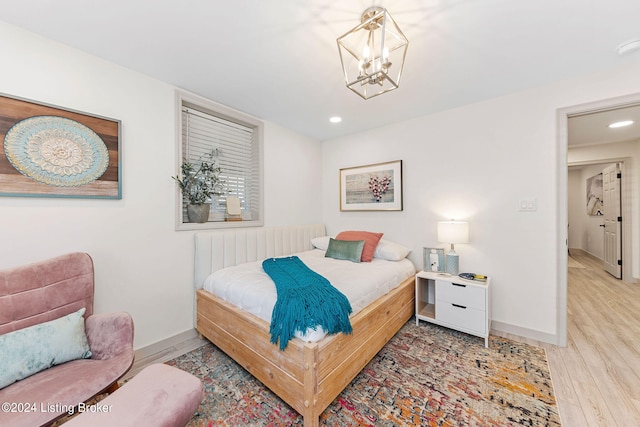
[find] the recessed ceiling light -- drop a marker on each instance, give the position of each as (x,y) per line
(628,47)
(335,119)
(621,124)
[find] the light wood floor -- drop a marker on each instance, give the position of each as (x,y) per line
(164,356)
(597,376)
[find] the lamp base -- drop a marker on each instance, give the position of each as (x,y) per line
(451,264)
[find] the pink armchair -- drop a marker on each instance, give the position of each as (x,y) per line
(47,290)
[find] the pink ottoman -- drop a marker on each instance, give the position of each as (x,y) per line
(159,396)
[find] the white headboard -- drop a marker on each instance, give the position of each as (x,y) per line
(225,248)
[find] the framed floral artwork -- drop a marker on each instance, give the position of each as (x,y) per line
(376,187)
(49,151)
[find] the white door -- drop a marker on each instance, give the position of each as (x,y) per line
(612,221)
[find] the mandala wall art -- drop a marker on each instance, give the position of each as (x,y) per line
(372,188)
(52,152)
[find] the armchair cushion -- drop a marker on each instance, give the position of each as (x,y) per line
(39,347)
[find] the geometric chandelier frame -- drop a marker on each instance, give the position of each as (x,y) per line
(373,54)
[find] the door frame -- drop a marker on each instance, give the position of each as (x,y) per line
(562,216)
(613,219)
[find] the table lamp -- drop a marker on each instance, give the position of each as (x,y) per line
(453,232)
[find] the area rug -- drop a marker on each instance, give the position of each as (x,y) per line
(425,376)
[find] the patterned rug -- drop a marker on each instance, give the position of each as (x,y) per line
(425,376)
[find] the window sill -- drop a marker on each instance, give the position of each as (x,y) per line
(216,225)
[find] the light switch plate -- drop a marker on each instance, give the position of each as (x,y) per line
(527,205)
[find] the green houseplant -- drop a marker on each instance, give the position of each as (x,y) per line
(198,183)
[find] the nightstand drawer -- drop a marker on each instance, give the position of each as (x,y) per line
(453,302)
(461,317)
(462,294)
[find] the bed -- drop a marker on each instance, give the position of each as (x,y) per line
(306,375)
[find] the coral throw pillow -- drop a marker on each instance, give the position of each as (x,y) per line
(370,241)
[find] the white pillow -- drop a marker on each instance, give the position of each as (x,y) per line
(391,251)
(321,243)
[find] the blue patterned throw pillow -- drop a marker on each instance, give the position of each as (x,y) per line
(39,347)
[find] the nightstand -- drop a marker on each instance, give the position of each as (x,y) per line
(454,302)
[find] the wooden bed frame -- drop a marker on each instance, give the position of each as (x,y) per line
(308,376)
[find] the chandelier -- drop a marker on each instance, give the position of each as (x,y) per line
(372,54)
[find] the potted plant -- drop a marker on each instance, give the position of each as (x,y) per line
(199,182)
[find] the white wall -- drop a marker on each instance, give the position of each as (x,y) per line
(475,163)
(576,209)
(143,266)
(293,188)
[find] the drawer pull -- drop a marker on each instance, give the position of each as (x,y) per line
(459,306)
(459,284)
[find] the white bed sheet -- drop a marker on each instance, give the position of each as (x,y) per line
(247,285)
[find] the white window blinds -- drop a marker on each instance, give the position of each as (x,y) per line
(239,158)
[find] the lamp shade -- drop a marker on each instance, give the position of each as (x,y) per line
(453,232)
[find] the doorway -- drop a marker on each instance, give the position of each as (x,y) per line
(595,212)
(629,228)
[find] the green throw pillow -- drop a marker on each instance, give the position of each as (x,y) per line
(39,347)
(345,249)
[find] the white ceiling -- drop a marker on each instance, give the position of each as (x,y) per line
(278,60)
(593,128)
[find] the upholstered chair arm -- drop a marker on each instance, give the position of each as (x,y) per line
(109,335)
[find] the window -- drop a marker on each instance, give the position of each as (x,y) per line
(206,127)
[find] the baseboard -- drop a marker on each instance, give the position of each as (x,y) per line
(524,332)
(165,344)
(169,343)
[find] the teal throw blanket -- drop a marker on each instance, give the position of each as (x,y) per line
(305,300)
